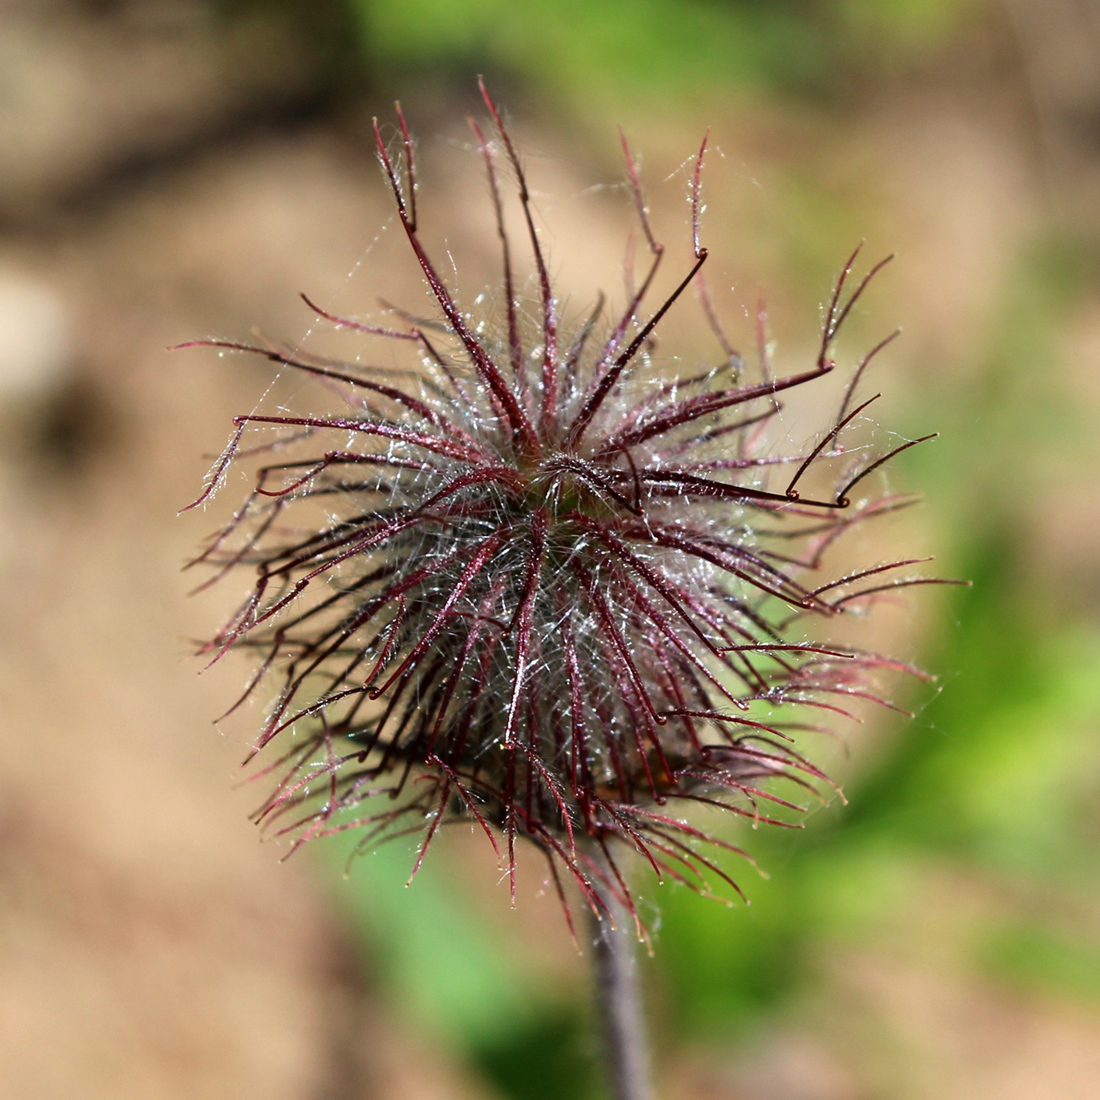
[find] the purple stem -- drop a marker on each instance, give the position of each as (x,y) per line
(618,996)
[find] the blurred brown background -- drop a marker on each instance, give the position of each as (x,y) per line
(171,169)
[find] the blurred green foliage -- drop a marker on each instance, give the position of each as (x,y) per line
(593,55)
(1041,960)
(426,944)
(551,1057)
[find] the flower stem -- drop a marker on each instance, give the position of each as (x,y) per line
(626,1055)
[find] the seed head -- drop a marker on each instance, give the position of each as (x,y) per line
(531,582)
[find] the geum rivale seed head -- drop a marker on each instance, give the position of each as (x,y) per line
(531,583)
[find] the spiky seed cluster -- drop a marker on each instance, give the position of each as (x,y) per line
(534,584)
